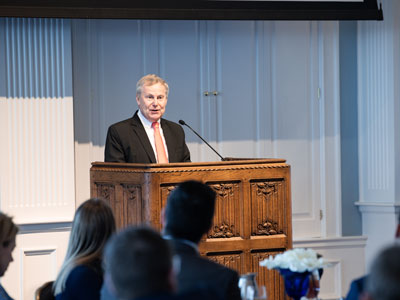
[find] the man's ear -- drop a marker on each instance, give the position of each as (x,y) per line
(163,220)
(109,284)
(172,282)
(398,231)
(365,296)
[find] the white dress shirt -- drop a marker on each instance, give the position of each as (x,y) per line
(150,133)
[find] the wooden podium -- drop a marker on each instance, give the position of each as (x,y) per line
(252,213)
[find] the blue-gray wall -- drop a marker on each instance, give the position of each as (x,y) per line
(351,217)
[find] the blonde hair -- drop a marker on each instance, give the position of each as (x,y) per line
(92,226)
(150,79)
(8,230)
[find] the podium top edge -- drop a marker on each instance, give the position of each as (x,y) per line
(231,161)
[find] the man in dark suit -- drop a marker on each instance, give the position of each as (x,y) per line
(188,216)
(139,265)
(134,140)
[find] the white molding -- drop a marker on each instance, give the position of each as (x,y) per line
(331,243)
(378,207)
(28,261)
(346,254)
(379,221)
(44,227)
(336,268)
(37,259)
(330,129)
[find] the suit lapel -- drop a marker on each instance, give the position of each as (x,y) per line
(143,138)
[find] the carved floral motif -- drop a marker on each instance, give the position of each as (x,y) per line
(222,231)
(105,190)
(265,188)
(230,261)
(268,228)
(131,191)
(223,189)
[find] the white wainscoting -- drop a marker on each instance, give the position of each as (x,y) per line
(346,256)
(379,223)
(38,256)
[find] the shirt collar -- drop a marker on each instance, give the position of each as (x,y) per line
(145,122)
(183,241)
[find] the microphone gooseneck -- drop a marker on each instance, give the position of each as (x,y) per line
(184,123)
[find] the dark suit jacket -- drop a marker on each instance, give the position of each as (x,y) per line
(3,294)
(199,272)
(84,282)
(198,278)
(127,141)
(192,295)
(357,287)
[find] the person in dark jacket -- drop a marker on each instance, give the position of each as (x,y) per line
(188,216)
(81,275)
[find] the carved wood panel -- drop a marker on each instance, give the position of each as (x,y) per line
(107,192)
(132,199)
(233,261)
(165,191)
(226,222)
(270,278)
(267,215)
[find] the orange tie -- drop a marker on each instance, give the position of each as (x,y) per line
(161,154)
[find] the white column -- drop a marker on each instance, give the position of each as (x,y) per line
(378,126)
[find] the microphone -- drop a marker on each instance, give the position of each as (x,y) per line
(184,123)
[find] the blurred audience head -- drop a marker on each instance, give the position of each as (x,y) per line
(189,211)
(138,264)
(8,233)
(383,283)
(92,226)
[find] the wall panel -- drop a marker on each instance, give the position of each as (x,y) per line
(37,258)
(36,120)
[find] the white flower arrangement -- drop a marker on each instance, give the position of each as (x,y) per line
(296,260)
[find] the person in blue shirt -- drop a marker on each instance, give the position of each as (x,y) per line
(81,275)
(8,233)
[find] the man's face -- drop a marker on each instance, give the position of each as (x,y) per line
(6,256)
(152,101)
